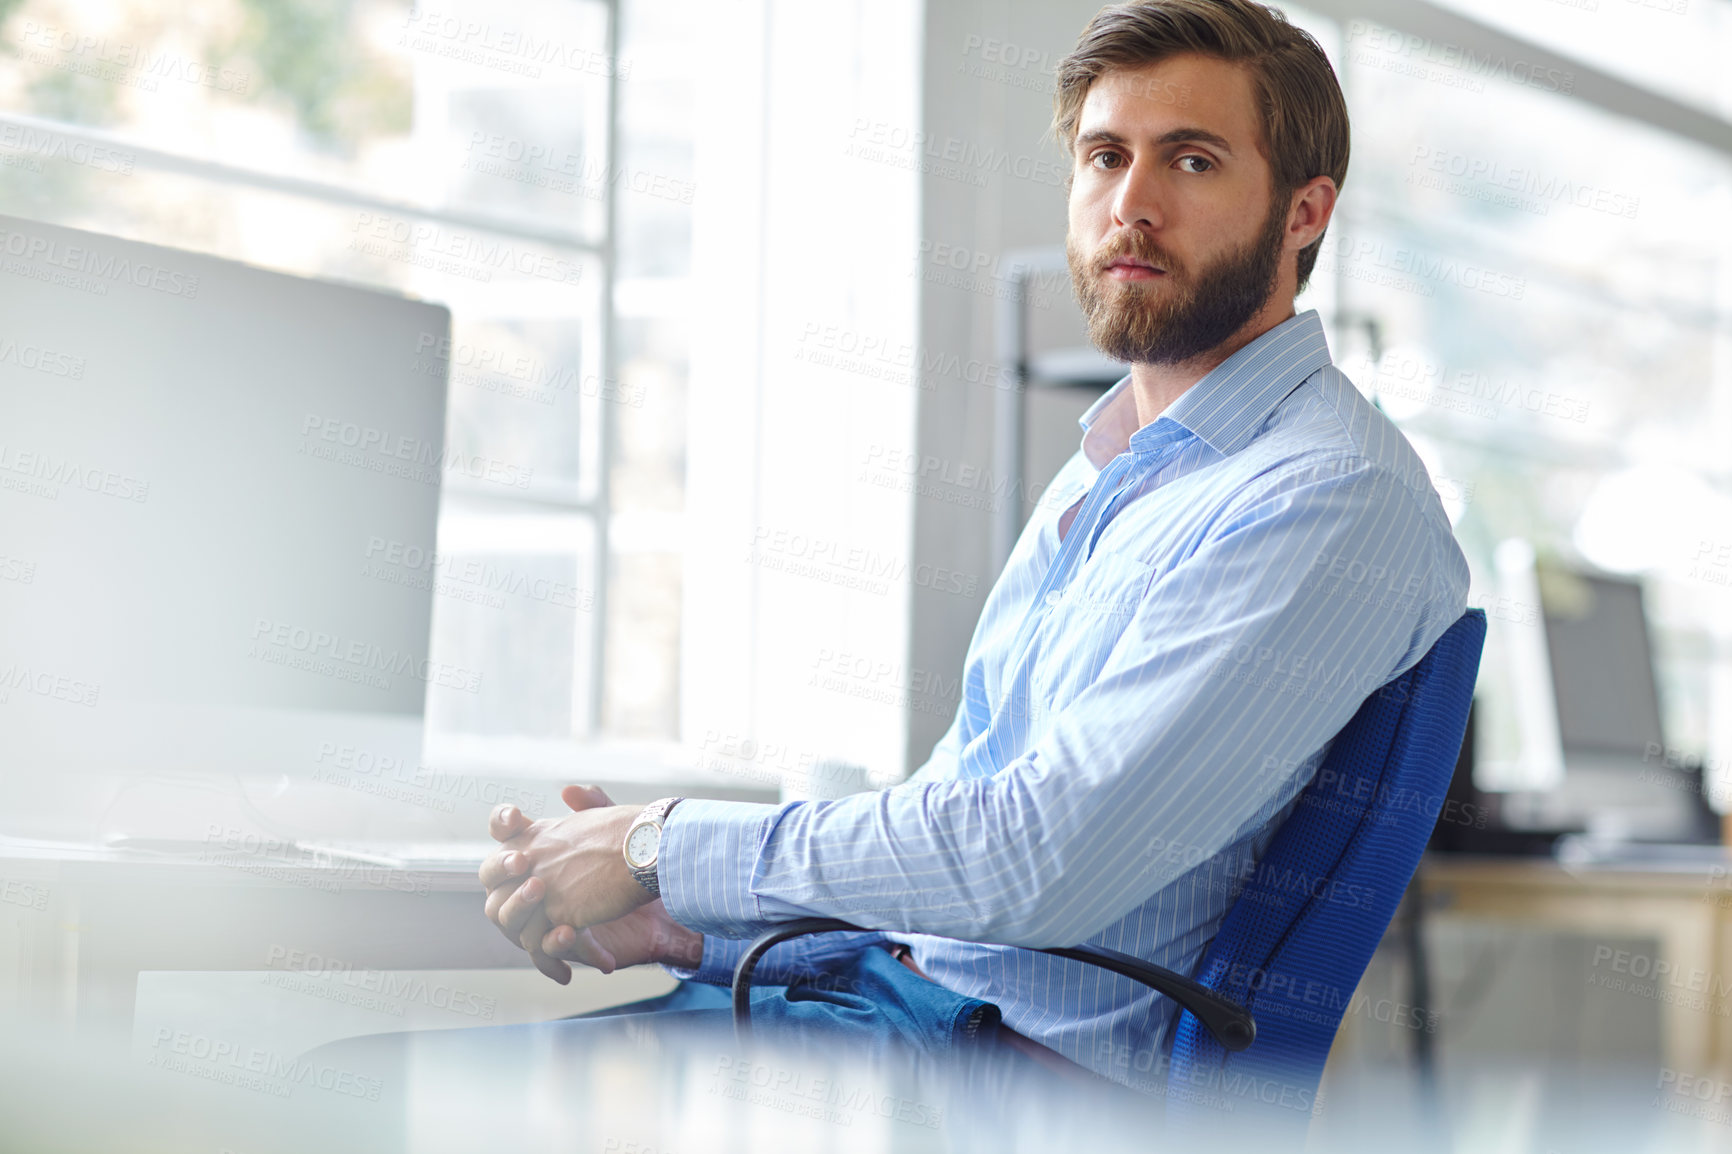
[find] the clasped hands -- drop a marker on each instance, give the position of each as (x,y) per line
(560,889)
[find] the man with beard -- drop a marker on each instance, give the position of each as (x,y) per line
(1241,551)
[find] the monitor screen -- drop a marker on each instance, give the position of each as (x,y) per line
(218,497)
(1601,663)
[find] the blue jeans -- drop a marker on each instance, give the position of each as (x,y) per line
(871,1045)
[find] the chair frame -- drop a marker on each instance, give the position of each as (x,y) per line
(1229,1023)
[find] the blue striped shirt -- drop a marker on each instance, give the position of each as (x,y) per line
(1149,687)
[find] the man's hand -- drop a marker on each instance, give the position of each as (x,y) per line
(647,934)
(506,825)
(570,871)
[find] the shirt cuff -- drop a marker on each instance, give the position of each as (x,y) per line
(705,864)
(708,852)
(797,960)
(721,955)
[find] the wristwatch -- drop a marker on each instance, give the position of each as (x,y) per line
(643,841)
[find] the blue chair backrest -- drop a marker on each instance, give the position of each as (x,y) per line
(1298,938)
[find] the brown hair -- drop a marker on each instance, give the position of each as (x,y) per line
(1305,131)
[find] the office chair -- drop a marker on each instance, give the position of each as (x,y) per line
(1258,1018)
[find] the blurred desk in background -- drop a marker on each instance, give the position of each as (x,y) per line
(1683,907)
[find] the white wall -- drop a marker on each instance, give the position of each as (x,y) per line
(988,102)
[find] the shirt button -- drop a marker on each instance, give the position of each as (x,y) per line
(1054,597)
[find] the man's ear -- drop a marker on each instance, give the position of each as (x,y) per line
(1312,206)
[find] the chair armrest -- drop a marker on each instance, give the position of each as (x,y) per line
(1230,1024)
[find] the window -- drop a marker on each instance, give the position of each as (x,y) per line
(1537,291)
(530,169)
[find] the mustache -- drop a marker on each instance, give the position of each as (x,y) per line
(1132,243)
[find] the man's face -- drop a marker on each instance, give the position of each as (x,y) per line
(1174,241)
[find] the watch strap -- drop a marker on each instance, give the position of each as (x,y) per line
(648,876)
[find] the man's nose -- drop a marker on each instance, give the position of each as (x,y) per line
(1137,204)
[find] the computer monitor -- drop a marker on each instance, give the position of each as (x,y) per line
(1602,664)
(1590,707)
(218,496)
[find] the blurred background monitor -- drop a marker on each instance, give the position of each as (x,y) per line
(1589,712)
(1602,665)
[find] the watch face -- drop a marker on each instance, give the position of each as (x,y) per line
(641,843)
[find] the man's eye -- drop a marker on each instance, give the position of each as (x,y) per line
(1204,163)
(1100,159)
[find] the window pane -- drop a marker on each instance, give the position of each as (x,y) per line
(1548,330)
(461,106)
(513,599)
(526,397)
(1677,47)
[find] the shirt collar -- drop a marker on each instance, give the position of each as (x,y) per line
(1225,408)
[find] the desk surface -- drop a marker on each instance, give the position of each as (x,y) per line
(82,927)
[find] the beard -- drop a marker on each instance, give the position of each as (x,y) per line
(1179,316)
